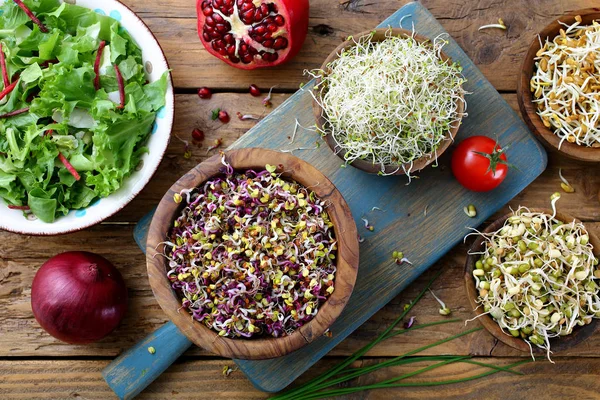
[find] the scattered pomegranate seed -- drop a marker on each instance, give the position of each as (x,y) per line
(255,91)
(204,93)
(197,135)
(224,117)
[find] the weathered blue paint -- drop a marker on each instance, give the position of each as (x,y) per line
(403,225)
(140,233)
(135,369)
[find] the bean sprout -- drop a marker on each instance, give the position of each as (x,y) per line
(390,102)
(499,25)
(566,84)
(536,277)
(565,185)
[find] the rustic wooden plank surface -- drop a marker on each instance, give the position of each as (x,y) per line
(497,53)
(62,379)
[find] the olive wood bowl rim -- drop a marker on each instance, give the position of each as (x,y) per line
(418,164)
(525,97)
(579,333)
(263,347)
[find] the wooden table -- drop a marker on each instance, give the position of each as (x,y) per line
(34,365)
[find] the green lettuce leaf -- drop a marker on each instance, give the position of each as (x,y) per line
(67,115)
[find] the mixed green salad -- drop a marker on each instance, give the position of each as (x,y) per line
(76,108)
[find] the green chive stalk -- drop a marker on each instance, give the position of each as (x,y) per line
(315,388)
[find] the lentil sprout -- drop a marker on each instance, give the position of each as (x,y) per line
(537,277)
(566,84)
(252,254)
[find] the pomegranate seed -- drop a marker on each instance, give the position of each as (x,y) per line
(279,20)
(207,11)
(247,16)
(197,135)
(247,58)
(204,93)
(229,39)
(224,117)
(268,43)
(280,43)
(272,27)
(255,91)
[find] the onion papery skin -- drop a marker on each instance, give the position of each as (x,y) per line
(78,297)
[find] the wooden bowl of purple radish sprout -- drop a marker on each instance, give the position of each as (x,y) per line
(373,110)
(253,254)
(522,287)
(559,86)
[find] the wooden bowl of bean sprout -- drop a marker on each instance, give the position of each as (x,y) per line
(495,302)
(228,251)
(402,136)
(563,122)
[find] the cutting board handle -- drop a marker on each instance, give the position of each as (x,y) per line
(137,368)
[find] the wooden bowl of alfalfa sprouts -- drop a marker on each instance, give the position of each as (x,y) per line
(388,101)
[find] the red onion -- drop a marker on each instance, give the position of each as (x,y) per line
(78,297)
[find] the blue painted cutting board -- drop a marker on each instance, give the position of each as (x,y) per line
(403,225)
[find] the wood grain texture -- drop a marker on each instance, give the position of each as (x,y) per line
(525,96)
(347,257)
(579,334)
(203,379)
(497,53)
(379,35)
(135,369)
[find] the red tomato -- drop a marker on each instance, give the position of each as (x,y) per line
(479,164)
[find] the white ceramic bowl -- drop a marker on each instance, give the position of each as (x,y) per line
(155,65)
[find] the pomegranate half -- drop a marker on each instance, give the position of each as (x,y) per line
(249,34)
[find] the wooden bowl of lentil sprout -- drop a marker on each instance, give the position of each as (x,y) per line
(521,286)
(253,254)
(559,86)
(389,101)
